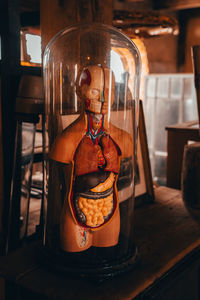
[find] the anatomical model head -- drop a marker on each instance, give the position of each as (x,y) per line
(96,86)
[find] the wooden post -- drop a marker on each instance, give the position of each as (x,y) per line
(196,67)
(55,15)
(10,69)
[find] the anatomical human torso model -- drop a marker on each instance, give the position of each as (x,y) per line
(92,147)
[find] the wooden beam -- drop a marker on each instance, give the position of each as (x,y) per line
(176,4)
(10,41)
(55,15)
(30,18)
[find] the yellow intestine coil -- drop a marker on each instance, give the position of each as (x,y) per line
(96,210)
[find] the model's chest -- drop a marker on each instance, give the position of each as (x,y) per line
(91,156)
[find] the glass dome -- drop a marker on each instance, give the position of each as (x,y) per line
(91,76)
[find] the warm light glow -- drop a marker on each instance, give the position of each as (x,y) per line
(120,60)
(116,65)
(145,66)
(143,54)
(122,63)
(28,64)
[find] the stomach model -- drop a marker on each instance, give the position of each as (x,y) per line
(93,198)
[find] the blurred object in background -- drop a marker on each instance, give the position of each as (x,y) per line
(28,150)
(178,135)
(168,99)
(149,30)
(191,178)
(30,40)
(196,68)
(145,24)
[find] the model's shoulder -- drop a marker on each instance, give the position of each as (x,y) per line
(65,144)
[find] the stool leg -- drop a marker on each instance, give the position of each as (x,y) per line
(28,180)
(12,223)
(43,201)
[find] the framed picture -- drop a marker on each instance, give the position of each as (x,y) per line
(144,192)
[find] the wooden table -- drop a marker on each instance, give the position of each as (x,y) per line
(169,246)
(177,137)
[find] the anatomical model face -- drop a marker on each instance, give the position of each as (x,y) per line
(95,88)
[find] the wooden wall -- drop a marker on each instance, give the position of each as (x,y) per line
(55,15)
(192,37)
(162,54)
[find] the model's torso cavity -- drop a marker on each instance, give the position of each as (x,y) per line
(96,165)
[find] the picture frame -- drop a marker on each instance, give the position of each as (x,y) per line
(144,191)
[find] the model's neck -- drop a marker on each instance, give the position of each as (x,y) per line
(95,124)
(95,121)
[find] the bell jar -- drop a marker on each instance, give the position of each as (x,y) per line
(91,78)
